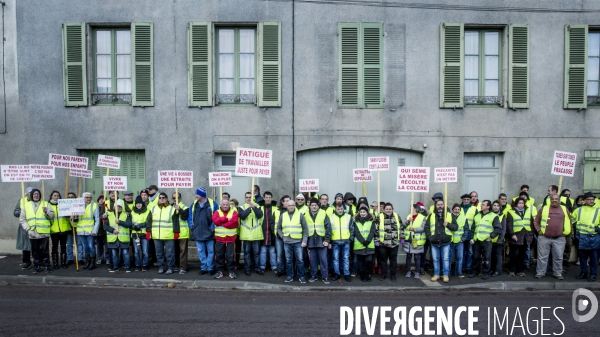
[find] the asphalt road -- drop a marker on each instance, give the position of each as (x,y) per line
(96,311)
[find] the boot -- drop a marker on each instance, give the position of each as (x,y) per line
(362,276)
(55,261)
(86,260)
(92,262)
(63,261)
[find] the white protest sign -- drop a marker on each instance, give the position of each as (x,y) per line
(361,174)
(16,173)
(309,185)
(378,163)
(71,207)
(253,162)
(412,179)
(115,183)
(42,171)
(445,174)
(175,179)
(563,163)
(67,161)
(109,162)
(219,179)
(81,173)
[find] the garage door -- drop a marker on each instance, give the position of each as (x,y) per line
(333,167)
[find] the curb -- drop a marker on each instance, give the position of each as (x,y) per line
(260,286)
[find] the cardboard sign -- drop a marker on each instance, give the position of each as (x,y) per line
(309,185)
(16,173)
(81,173)
(71,207)
(173,179)
(67,161)
(412,179)
(445,174)
(219,179)
(253,162)
(109,162)
(42,171)
(379,164)
(361,174)
(563,163)
(115,183)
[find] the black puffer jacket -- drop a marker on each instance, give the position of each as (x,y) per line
(438,236)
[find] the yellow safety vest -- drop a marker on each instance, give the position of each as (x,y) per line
(545,217)
(123,235)
(221,231)
(162,223)
(184,228)
(525,222)
(251,228)
(59,224)
(484,226)
(318,225)
(291,227)
(303,209)
(586,218)
(382,226)
(139,219)
(37,220)
(469,215)
(86,221)
(461,220)
(420,237)
(432,224)
(339,230)
(365,230)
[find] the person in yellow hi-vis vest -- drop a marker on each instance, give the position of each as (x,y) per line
(251,233)
(59,230)
(365,230)
(139,218)
(163,227)
(388,236)
(294,232)
(438,228)
(319,237)
(184,233)
(486,226)
(117,229)
(587,233)
(498,241)
(35,219)
(414,238)
(519,224)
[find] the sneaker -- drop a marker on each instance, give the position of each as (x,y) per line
(144,269)
(289,279)
(232,275)
(182,271)
(220,274)
(26,265)
(435,278)
(417,275)
(511,274)
(353,274)
(539,275)
(112,270)
(521,274)
(107,262)
(99,262)
(446,278)
(461,276)
(302,280)
(326,281)
(137,268)
(169,272)
(176,270)
(128,270)
(161,271)
(559,276)
(409,274)
(313,279)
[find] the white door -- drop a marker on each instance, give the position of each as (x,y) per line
(482,173)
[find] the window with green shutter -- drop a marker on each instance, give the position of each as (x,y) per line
(518,66)
(199,64)
(360,65)
(575,67)
(74,64)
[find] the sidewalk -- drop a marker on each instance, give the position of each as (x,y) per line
(11,273)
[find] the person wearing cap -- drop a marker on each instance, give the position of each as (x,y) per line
(128,202)
(117,229)
(460,235)
(469,213)
(553,224)
(35,218)
(88,226)
(294,232)
(153,194)
(144,195)
(530,201)
(226,225)
(319,237)
(436,197)
(268,246)
(61,226)
(388,235)
(414,238)
(202,229)
(486,226)
(365,230)
(181,244)
(438,228)
(23,242)
(139,218)
(163,226)
(587,227)
(300,203)
(251,233)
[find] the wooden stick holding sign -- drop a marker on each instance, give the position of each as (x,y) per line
(22,190)
(563,164)
(378,164)
(67,182)
(107,174)
(75,253)
(364,189)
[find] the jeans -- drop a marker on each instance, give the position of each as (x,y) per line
(115,257)
(592,255)
(70,247)
(206,254)
(280,254)
(391,254)
(354,264)
(141,252)
(344,248)
(251,251)
(292,249)
(544,247)
(442,253)
(497,257)
(165,247)
(272,257)
(457,252)
(318,256)
(468,255)
(482,255)
(89,244)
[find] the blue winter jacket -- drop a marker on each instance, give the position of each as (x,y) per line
(200,221)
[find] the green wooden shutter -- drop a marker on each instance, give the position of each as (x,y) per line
(452,56)
(74,64)
(200,64)
(372,61)
(142,70)
(575,96)
(349,60)
(518,66)
(269,64)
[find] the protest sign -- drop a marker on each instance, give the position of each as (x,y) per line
(309,185)
(71,207)
(16,173)
(361,174)
(563,163)
(109,162)
(445,174)
(378,163)
(219,179)
(67,161)
(115,183)
(81,173)
(412,179)
(253,162)
(42,171)
(175,179)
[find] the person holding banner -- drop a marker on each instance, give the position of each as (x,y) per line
(59,230)
(139,216)
(388,235)
(163,227)
(319,237)
(35,219)
(117,229)
(184,233)
(202,230)
(519,223)
(88,225)
(587,230)
(414,238)
(438,229)
(226,225)
(251,233)
(23,242)
(294,232)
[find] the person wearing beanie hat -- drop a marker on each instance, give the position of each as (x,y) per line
(365,231)
(23,242)
(144,195)
(139,218)
(117,229)
(587,228)
(439,229)
(251,233)
(350,203)
(468,213)
(436,196)
(184,233)
(201,228)
(414,239)
(319,237)
(35,219)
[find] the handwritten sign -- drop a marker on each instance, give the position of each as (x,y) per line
(16,173)
(253,162)
(309,185)
(109,162)
(445,174)
(219,179)
(412,179)
(361,174)
(173,178)
(71,207)
(115,183)
(81,173)
(67,161)
(378,164)
(563,163)
(42,171)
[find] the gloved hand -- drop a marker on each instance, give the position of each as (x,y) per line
(376,243)
(148,235)
(176,236)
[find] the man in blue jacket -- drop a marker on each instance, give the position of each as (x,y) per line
(202,230)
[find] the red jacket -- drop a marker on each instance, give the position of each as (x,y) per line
(223,221)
